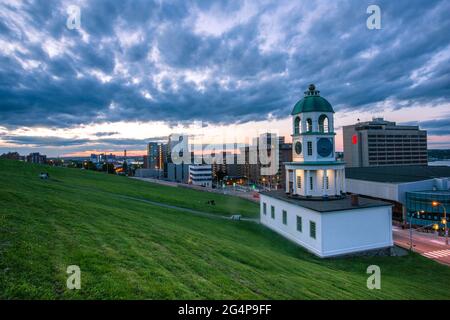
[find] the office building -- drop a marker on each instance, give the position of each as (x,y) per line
(155,156)
(384,143)
(200,175)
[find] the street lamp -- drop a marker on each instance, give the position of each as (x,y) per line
(444,221)
(410,229)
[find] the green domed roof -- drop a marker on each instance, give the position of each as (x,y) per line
(312,102)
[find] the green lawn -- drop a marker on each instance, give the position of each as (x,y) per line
(128,249)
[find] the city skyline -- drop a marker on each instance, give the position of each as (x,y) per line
(135,71)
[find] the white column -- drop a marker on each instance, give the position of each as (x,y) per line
(288,172)
(306,182)
(343,180)
(335,181)
(324,180)
(339,185)
(340,181)
(294,181)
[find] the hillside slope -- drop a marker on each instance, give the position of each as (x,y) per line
(128,249)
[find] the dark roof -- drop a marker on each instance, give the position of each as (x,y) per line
(321,205)
(397,174)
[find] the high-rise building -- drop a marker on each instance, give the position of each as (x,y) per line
(155,156)
(384,143)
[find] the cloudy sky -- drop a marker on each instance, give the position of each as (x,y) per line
(138,70)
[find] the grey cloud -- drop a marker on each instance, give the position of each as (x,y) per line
(52,141)
(245,83)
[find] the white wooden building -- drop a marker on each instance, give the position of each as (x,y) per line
(314,210)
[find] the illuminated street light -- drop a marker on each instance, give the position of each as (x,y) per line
(444,220)
(410,229)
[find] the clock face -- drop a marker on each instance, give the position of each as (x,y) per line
(298,147)
(324,147)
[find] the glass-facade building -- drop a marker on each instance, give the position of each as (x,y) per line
(419,207)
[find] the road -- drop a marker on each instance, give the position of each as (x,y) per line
(426,244)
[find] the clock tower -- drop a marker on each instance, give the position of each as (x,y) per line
(314,171)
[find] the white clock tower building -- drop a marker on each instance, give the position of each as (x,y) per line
(314,210)
(314,172)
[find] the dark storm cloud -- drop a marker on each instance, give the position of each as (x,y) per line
(50,141)
(439,127)
(39,141)
(104,134)
(54,77)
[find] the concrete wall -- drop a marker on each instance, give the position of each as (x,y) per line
(178,172)
(387,191)
(382,190)
(351,151)
(356,230)
(149,173)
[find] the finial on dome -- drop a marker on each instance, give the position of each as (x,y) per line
(312,91)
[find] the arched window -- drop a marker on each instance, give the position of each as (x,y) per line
(309,125)
(297,125)
(323,123)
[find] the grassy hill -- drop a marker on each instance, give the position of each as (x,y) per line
(130,249)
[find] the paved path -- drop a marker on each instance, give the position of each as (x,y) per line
(196,212)
(428,245)
(249,195)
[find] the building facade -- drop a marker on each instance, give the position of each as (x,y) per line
(155,156)
(200,175)
(313,210)
(178,172)
(395,183)
(314,171)
(328,230)
(36,157)
(420,209)
(384,143)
